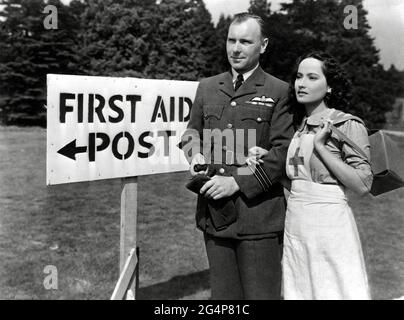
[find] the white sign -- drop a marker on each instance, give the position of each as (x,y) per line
(104,127)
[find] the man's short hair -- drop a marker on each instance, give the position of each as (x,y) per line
(243,16)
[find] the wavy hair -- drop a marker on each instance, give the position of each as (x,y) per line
(337,80)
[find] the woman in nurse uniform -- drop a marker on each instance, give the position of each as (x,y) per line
(322,255)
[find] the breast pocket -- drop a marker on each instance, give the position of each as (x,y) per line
(257,118)
(212,115)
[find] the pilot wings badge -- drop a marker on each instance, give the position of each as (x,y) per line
(262,101)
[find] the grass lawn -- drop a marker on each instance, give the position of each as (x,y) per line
(75,228)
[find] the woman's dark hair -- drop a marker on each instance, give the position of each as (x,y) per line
(337,80)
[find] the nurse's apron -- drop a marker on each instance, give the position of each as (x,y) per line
(322,256)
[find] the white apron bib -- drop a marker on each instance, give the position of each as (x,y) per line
(322,255)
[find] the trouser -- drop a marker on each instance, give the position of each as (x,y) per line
(245,269)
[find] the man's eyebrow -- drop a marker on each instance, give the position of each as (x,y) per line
(241,39)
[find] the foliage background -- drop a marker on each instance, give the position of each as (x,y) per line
(176,39)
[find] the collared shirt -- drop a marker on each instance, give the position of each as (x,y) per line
(356,132)
(245,75)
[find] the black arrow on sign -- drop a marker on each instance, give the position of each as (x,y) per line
(70,150)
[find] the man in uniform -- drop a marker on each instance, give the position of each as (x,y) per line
(241,211)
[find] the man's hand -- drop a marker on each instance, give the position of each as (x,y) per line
(219,187)
(197,159)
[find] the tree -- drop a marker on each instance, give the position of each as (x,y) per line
(29,52)
(176,39)
(372,94)
(397,79)
(222,29)
(302,26)
(293,31)
(261,8)
(117,38)
(185,41)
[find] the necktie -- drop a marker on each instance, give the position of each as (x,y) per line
(239,81)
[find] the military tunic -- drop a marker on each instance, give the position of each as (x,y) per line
(224,124)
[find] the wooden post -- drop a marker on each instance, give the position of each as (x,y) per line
(129,226)
(128,274)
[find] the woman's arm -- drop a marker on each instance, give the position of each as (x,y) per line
(346,174)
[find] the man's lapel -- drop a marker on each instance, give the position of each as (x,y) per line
(250,85)
(226,84)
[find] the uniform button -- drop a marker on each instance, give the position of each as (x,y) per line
(229,125)
(205,116)
(224,148)
(259,119)
(233,103)
(221,170)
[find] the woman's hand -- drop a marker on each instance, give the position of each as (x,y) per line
(255,154)
(344,173)
(197,159)
(321,136)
